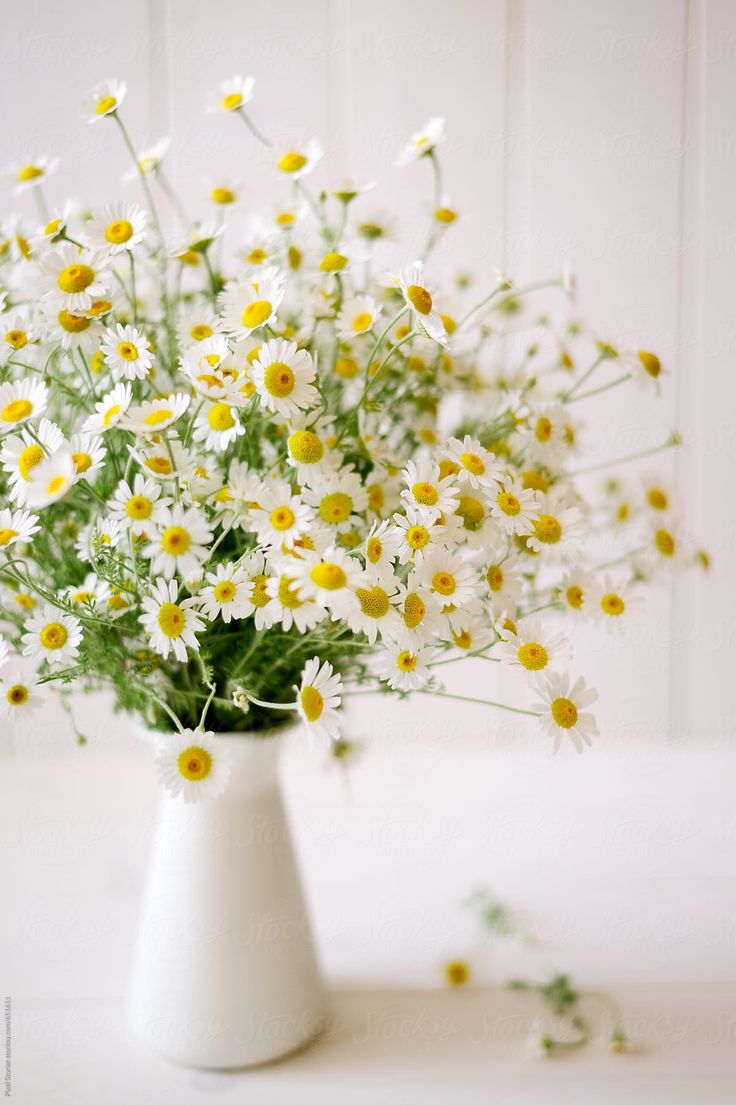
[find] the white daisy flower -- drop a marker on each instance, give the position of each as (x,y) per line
(231,94)
(19,696)
(224,191)
(452,580)
(16,334)
(319,698)
(248,306)
(477,466)
(282,517)
(139,508)
(376,609)
(381,549)
(612,603)
(420,615)
(339,498)
(196,326)
(181,545)
(102,535)
(357,316)
(20,401)
(148,159)
(218,426)
(419,299)
(417,534)
(515,507)
(51,479)
(575,590)
(127,352)
(297,162)
(88,453)
(21,453)
(156,414)
(402,668)
(260,602)
(105,98)
(110,410)
(93,591)
(646,370)
(16,526)
(171,623)
(558,530)
(472,521)
(53,636)
(427,492)
(165,459)
(328,578)
(194,765)
(423,141)
(116,227)
(535,647)
(226,593)
(74,278)
(283,375)
(289,608)
(308,452)
(31,173)
(562,710)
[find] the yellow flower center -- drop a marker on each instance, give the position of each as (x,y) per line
(171,620)
(443,583)
(417,537)
(533,656)
(175,541)
(222,195)
(200,331)
(16,410)
(17,695)
(128,351)
(7,535)
(73,324)
(305,447)
(547,529)
(138,507)
(312,703)
(445,215)
(333,262)
(508,503)
(495,577)
(259,595)
(282,518)
(425,494)
(29,458)
(232,101)
(362,321)
(463,639)
(543,430)
(414,611)
(664,542)
(292,162)
(335,508)
(565,712)
(650,363)
(374,602)
(287,597)
(406,661)
(376,497)
(54,636)
(27,602)
(346,368)
(374,550)
(110,414)
(29,172)
(534,481)
(220,417)
(657,498)
(157,417)
(160,465)
(17,339)
(419,298)
(75,278)
(472,512)
(106,104)
(328,576)
(612,604)
(55,484)
(119,232)
(574,596)
(256,313)
(278,379)
(473,463)
(194,763)
(224,591)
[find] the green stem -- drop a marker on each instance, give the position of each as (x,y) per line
(602,388)
(669,444)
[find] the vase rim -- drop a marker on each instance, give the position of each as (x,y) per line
(238,734)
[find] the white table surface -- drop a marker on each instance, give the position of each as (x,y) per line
(619,865)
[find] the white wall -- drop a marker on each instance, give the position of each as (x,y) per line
(600,133)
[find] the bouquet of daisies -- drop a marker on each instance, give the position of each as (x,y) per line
(243,469)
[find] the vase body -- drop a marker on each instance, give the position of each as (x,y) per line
(225,973)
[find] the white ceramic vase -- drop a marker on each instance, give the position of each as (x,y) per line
(225,973)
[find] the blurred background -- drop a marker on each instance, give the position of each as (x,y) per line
(600,135)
